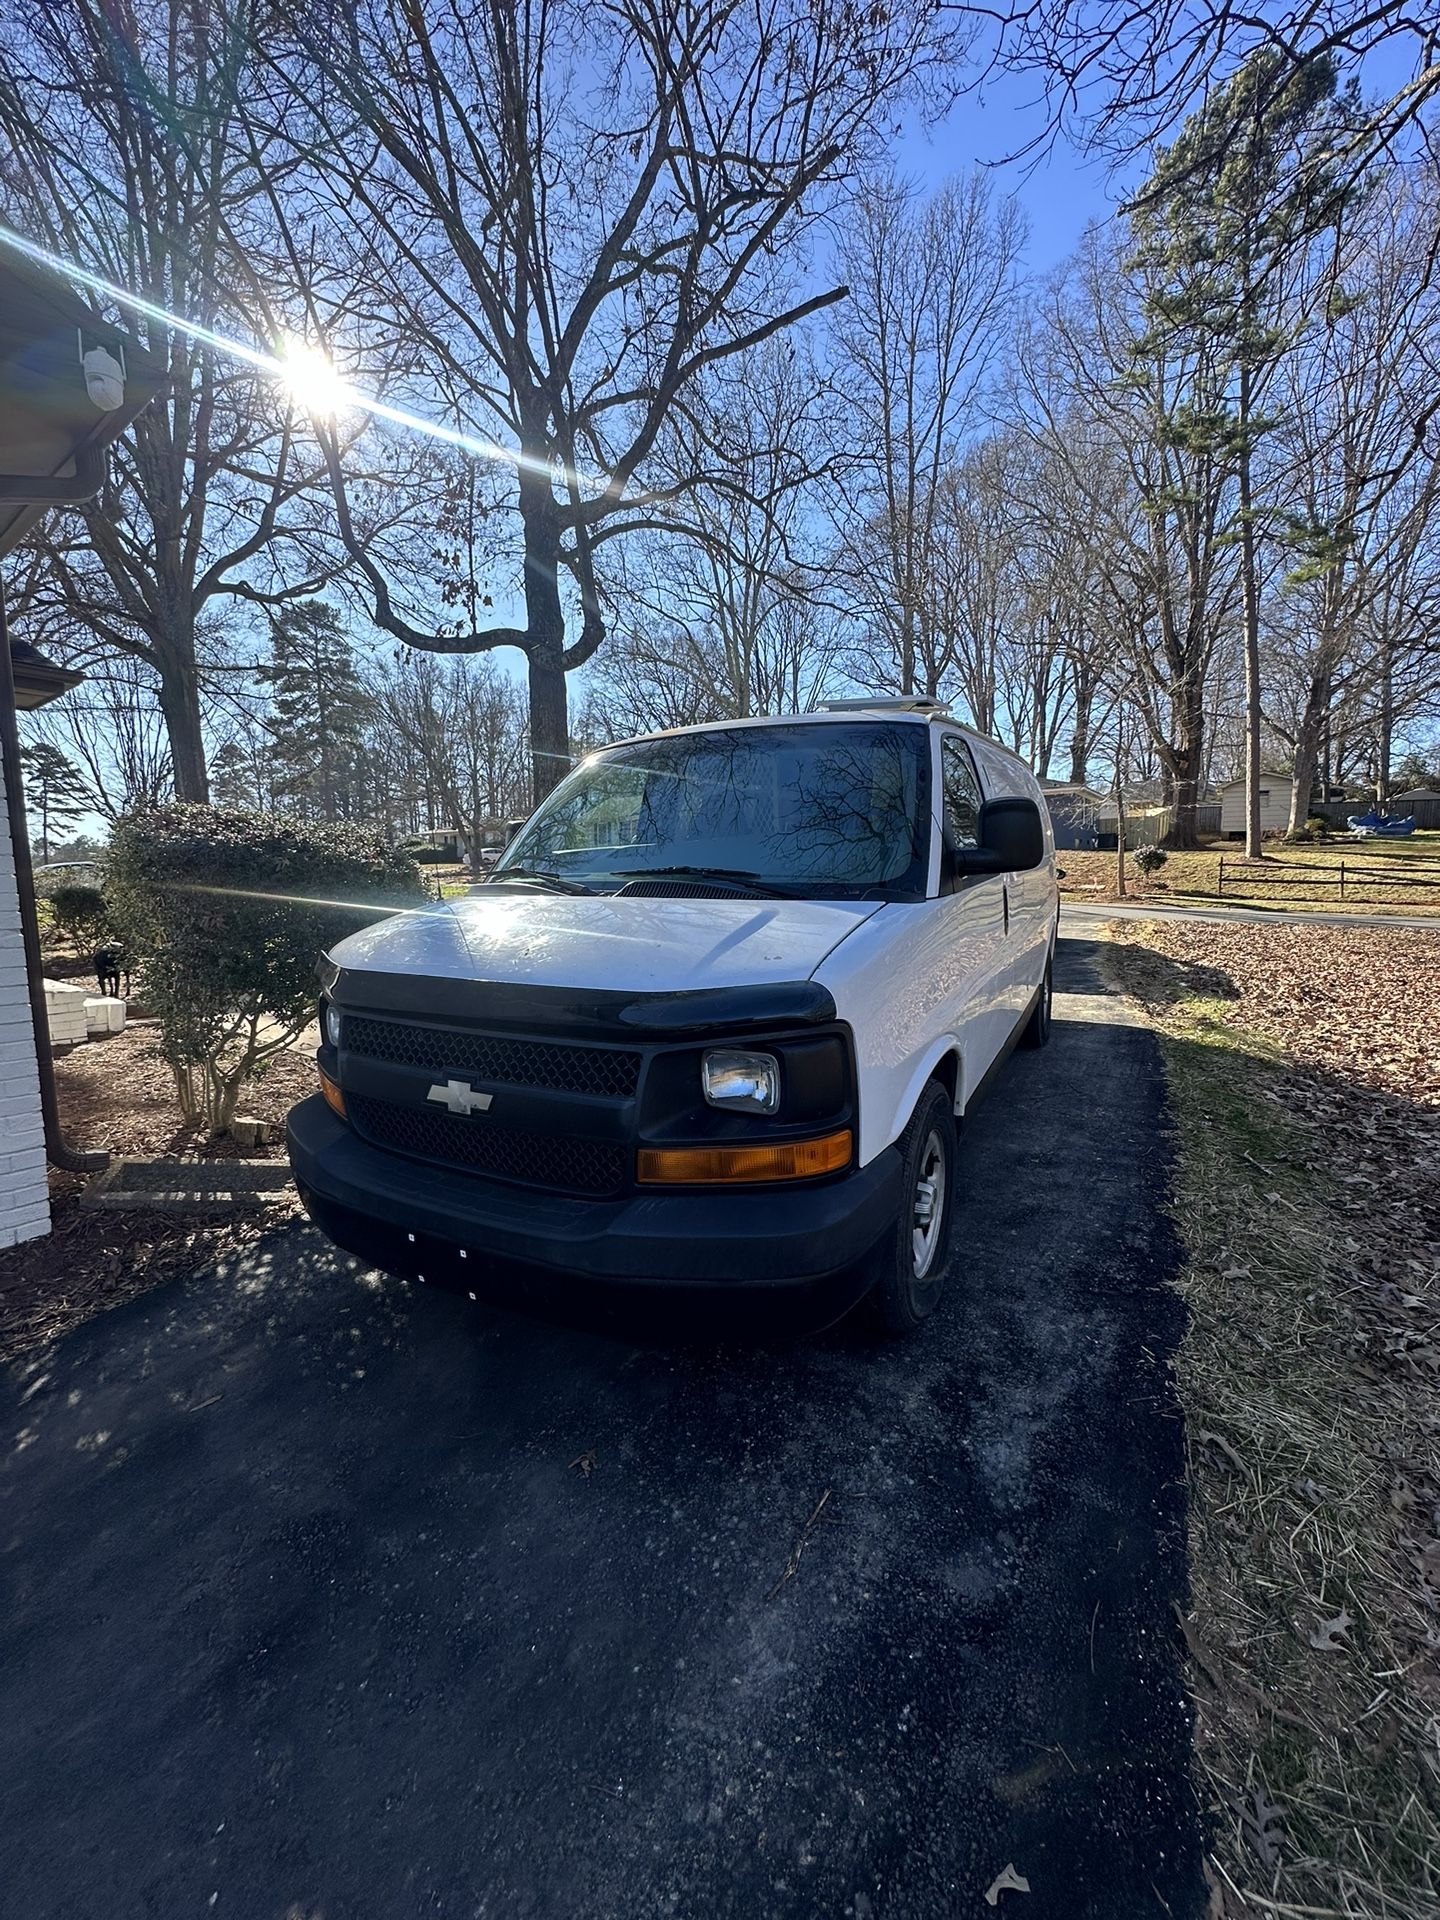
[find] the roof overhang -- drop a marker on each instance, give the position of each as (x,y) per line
(53,431)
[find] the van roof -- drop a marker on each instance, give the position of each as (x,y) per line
(898,712)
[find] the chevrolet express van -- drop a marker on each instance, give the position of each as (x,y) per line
(709,1025)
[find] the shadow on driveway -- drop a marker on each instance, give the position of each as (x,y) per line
(312,1608)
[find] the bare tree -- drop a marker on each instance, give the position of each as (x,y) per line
(731,610)
(112,727)
(461,725)
(1157,504)
(1121,77)
(933,286)
(119,149)
(578,209)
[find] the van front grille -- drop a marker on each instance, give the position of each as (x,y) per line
(494,1059)
(558,1162)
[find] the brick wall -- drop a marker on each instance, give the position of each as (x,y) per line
(24,1194)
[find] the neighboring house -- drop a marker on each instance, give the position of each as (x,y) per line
(1274,805)
(1074,814)
(69,383)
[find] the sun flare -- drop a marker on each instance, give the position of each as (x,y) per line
(312,379)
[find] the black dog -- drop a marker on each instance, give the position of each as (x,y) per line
(110,963)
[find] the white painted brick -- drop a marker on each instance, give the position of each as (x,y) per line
(24,1190)
(22,1145)
(13,1232)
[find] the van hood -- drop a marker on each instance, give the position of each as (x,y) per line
(626,943)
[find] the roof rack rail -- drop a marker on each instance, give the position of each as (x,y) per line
(888,703)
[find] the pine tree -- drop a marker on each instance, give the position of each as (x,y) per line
(318,714)
(55,790)
(1231,219)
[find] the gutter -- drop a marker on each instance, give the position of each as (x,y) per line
(58,1150)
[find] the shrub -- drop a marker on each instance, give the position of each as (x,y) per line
(78,913)
(227,912)
(1315,828)
(430,856)
(1151,859)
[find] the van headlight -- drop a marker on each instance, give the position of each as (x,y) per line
(741,1082)
(332,1023)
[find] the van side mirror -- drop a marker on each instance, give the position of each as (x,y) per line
(1012,839)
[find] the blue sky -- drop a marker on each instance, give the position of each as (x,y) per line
(1060,190)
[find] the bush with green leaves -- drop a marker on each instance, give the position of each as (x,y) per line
(78,913)
(1150,860)
(226,913)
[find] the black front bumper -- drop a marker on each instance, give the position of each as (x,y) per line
(804,1245)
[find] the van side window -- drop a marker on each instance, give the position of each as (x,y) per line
(962,792)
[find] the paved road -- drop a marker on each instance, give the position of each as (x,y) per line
(308,1610)
(1081,916)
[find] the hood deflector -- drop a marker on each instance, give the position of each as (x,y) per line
(699,1014)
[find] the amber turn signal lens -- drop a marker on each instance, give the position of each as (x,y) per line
(334,1098)
(708,1166)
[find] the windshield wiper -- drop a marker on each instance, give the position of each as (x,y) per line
(541,875)
(737,874)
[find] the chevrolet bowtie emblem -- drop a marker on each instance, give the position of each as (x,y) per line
(458,1096)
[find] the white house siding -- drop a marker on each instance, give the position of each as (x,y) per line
(24,1192)
(1274,805)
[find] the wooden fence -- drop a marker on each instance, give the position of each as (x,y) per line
(1423,809)
(1353,879)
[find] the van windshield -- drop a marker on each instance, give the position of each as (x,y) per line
(825,811)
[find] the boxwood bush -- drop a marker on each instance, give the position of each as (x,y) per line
(226,913)
(78,913)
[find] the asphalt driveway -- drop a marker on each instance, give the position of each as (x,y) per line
(322,1596)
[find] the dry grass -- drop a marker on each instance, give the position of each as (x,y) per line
(1308,1191)
(1380,877)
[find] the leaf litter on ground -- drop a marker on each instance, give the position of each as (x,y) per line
(1304,1067)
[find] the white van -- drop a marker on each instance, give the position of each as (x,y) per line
(709,1025)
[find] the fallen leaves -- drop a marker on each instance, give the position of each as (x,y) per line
(1006,1881)
(1306,1099)
(586,1462)
(1329,1636)
(1263,1826)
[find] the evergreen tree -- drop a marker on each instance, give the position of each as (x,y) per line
(1231,218)
(318,715)
(55,791)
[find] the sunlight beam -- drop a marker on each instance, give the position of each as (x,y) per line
(307,373)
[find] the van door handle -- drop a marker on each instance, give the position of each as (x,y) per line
(1005,898)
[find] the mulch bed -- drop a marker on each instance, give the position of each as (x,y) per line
(117,1093)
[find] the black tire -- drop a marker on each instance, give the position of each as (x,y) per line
(1037,1027)
(912,1262)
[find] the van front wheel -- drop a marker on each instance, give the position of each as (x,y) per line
(913,1259)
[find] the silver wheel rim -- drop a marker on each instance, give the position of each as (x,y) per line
(927,1206)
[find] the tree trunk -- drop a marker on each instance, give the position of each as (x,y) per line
(545,644)
(1080,738)
(1387,723)
(1250,601)
(1119,807)
(1308,735)
(1183,764)
(180,705)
